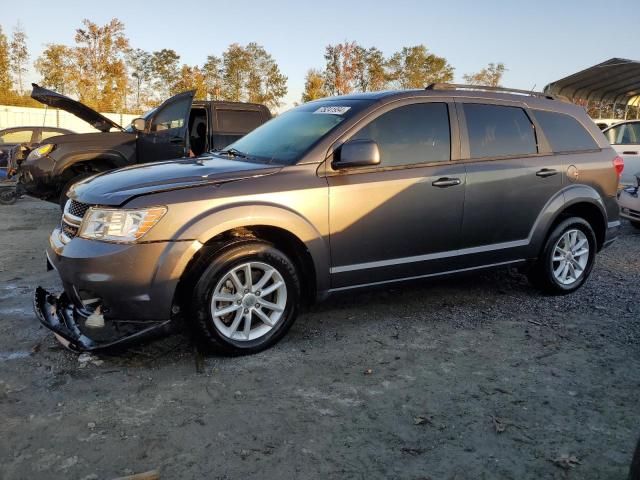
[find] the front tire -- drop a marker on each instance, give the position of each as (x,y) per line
(246,299)
(567,258)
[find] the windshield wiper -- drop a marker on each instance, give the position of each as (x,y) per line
(232,152)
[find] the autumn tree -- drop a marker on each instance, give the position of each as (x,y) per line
(55,65)
(191,78)
(343,62)
(371,70)
(251,74)
(140,65)
(313,86)
(18,55)
(5,68)
(99,54)
(165,70)
(489,76)
(212,71)
(416,67)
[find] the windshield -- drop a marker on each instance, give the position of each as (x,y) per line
(286,138)
(146,116)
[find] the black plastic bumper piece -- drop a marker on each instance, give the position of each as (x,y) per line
(60,316)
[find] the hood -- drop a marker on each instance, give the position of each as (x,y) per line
(119,186)
(80,110)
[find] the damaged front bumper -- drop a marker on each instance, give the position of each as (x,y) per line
(69,324)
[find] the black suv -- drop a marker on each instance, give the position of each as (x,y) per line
(180,127)
(341,193)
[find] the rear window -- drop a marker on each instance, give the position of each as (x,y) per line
(499,131)
(239,121)
(564,133)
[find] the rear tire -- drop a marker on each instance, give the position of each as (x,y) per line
(567,258)
(237,314)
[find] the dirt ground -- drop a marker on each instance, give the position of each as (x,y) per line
(476,377)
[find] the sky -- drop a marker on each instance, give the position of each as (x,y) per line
(539,41)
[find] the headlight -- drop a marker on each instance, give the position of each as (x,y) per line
(119,225)
(41,151)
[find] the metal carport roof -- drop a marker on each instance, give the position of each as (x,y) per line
(615,81)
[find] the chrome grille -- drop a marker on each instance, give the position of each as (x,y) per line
(72,217)
(77,209)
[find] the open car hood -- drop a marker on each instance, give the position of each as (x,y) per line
(89,115)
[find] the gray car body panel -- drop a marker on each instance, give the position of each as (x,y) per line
(360,226)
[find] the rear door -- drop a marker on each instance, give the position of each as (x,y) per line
(511,175)
(401,218)
(165,134)
(625,139)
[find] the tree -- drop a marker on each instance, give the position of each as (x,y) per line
(212,70)
(265,83)
(371,71)
(5,68)
(235,63)
(489,76)
(101,80)
(140,65)
(165,70)
(343,61)
(19,54)
(191,78)
(55,65)
(416,67)
(313,86)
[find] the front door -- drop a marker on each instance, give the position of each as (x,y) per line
(165,135)
(400,218)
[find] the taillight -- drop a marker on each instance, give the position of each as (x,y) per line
(618,165)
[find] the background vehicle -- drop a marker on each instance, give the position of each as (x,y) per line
(27,136)
(603,123)
(341,193)
(172,130)
(625,139)
(629,200)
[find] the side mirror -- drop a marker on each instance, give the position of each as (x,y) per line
(138,124)
(358,153)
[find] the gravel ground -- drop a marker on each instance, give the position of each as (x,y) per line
(465,378)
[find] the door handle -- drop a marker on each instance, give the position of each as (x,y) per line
(546,172)
(446,182)
(630,153)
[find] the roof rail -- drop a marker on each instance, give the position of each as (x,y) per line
(487,88)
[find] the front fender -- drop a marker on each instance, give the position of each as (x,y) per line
(113,158)
(212,223)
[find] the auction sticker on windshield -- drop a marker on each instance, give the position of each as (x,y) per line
(333,110)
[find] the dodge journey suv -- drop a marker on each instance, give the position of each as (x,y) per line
(337,194)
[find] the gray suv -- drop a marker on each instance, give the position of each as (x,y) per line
(337,194)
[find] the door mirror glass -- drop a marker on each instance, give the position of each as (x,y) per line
(138,124)
(358,153)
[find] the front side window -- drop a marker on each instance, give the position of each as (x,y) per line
(411,134)
(625,134)
(499,131)
(565,133)
(16,136)
(172,116)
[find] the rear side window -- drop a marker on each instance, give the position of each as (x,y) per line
(411,134)
(239,121)
(565,133)
(499,131)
